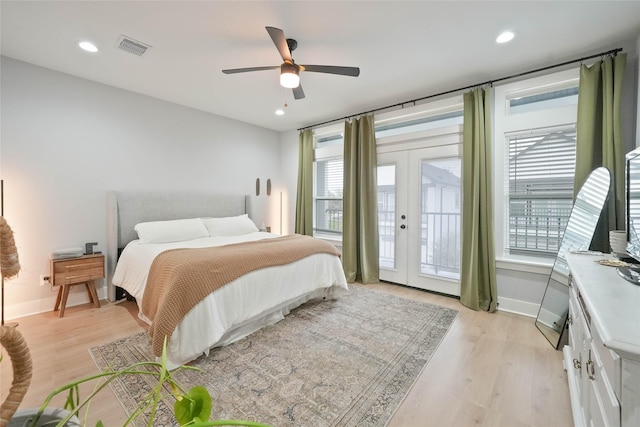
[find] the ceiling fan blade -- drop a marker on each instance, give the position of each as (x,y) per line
(298,93)
(246,70)
(330,69)
(277,35)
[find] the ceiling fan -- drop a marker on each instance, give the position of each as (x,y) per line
(289,70)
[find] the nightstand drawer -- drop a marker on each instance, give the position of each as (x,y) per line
(77,270)
(79,275)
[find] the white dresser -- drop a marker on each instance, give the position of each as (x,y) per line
(602,358)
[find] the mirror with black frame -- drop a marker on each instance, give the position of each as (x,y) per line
(578,234)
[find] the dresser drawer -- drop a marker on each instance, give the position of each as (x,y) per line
(603,398)
(610,362)
(77,270)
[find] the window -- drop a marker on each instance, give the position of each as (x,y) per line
(540,189)
(327,181)
(535,141)
(328,196)
(544,101)
(409,125)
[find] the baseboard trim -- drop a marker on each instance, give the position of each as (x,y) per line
(522,308)
(15,311)
(76,297)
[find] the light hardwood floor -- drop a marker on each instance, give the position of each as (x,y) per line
(490,370)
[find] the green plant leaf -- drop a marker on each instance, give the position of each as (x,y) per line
(194,406)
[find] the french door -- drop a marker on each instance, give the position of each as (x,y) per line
(419,216)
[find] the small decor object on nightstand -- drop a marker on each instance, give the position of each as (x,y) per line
(88,248)
(68,272)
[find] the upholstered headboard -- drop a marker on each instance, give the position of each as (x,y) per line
(128,208)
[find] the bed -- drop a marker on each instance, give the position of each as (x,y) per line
(249,301)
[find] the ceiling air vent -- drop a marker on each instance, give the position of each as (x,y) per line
(132,46)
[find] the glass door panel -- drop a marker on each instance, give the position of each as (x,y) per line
(392,201)
(387,215)
(419,218)
(434,242)
(440,218)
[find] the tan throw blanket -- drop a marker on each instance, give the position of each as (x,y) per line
(180,278)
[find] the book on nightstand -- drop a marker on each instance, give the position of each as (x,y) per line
(67,253)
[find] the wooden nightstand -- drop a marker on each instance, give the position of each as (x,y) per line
(68,272)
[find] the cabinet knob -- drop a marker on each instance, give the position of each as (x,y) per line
(570,320)
(577,364)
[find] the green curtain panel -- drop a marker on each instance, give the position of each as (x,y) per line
(360,245)
(478,288)
(599,139)
(304,199)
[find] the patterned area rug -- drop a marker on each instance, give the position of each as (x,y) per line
(343,362)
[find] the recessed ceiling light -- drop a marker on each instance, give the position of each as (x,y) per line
(505,37)
(279,113)
(88,46)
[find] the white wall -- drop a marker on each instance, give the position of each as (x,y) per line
(66,141)
(289,159)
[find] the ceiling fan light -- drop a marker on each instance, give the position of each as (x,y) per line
(289,76)
(289,80)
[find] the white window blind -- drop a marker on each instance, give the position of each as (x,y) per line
(541,170)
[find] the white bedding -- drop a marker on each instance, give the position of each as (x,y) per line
(242,306)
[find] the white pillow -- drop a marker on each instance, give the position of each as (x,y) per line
(230,226)
(177,230)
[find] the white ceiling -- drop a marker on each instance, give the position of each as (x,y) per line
(405,50)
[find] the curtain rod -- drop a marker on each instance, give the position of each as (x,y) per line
(488,82)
